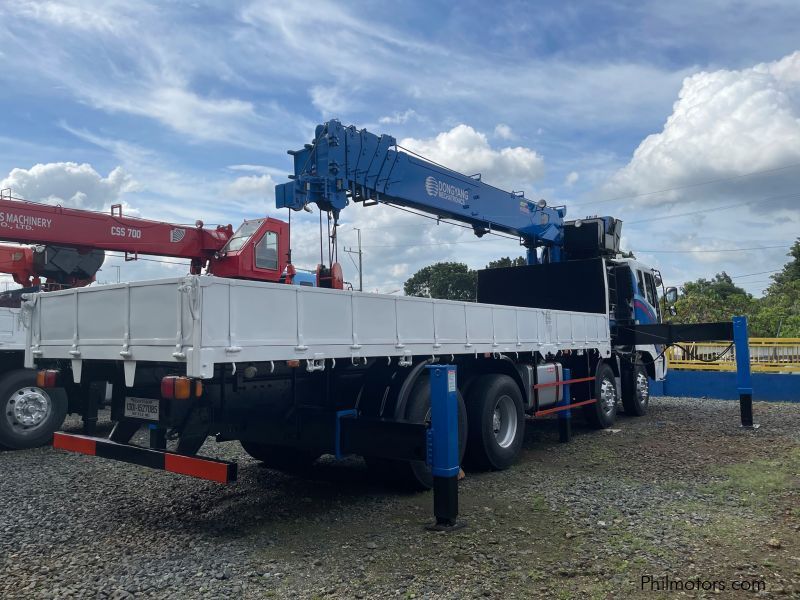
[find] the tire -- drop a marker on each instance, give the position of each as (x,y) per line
(415,475)
(603,413)
(496,420)
(281,458)
(635,391)
(30,415)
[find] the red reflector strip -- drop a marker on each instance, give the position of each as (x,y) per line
(204,468)
(550,411)
(198,467)
(74,443)
(553,383)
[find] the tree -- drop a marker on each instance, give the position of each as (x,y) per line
(448,280)
(791,270)
(452,280)
(507,262)
(717,299)
(779,309)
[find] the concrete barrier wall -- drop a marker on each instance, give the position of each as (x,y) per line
(775,387)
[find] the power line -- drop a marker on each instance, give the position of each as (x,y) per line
(689,185)
(708,250)
(714,208)
(750,274)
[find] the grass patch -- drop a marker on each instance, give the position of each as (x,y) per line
(758,481)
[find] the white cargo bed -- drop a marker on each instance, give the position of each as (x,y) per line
(203,321)
(12,334)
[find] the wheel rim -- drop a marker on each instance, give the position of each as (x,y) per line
(608,396)
(642,388)
(27,408)
(504,421)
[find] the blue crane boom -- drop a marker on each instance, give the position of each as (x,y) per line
(346,164)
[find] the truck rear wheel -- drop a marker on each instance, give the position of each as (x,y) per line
(635,391)
(416,474)
(281,458)
(30,414)
(601,414)
(496,420)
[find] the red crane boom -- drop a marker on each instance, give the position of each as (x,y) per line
(258,250)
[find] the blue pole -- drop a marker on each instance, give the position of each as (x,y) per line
(443,445)
(565,416)
(743,383)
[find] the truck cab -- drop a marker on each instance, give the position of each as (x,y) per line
(634,300)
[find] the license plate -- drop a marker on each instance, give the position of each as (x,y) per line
(141,408)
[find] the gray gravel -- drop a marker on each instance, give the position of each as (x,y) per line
(681,492)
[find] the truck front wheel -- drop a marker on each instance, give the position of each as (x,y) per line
(30,414)
(602,413)
(496,422)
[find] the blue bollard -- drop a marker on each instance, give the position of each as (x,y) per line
(443,446)
(743,383)
(565,416)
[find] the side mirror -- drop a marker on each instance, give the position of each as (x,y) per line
(671,296)
(657,278)
(673,311)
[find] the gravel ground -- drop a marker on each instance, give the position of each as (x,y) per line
(682,493)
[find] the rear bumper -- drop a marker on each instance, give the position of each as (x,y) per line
(195,466)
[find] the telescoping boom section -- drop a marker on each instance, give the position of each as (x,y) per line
(345,163)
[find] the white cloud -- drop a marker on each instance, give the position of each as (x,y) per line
(468,151)
(252,186)
(330,100)
(724,123)
(398,118)
(69,183)
(732,140)
(571,179)
(504,132)
(64,14)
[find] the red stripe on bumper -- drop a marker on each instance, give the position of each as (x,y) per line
(197,467)
(74,443)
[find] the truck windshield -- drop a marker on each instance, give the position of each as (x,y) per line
(242,235)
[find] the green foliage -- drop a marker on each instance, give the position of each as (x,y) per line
(708,300)
(452,280)
(448,280)
(777,314)
(506,262)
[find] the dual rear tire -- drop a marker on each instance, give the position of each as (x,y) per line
(491,430)
(496,419)
(635,390)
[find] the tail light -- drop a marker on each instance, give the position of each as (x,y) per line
(47,378)
(176,387)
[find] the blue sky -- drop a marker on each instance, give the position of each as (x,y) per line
(185,110)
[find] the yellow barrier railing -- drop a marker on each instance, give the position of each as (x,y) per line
(767,355)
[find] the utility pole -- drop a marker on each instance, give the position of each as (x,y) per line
(360,264)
